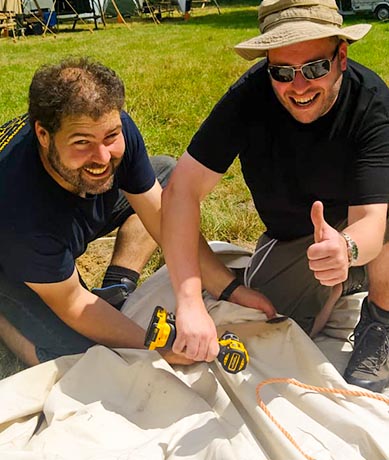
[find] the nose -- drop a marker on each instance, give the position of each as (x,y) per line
(299,83)
(102,155)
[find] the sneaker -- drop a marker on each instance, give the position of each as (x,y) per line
(116,294)
(368,365)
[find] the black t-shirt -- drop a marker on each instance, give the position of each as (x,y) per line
(341,159)
(43,227)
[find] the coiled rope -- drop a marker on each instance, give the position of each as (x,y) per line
(290,381)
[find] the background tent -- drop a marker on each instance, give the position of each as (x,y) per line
(65,10)
(127,8)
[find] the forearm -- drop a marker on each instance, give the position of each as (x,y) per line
(215,275)
(96,319)
(88,314)
(191,262)
(189,259)
(196,332)
(180,242)
(367,231)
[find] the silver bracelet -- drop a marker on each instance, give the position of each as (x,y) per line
(352,249)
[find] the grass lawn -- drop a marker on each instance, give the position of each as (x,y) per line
(174,73)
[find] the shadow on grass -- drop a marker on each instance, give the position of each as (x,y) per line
(9,363)
(234,14)
(243,18)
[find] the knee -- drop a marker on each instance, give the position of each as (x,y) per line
(163,166)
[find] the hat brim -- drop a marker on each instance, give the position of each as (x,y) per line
(290,33)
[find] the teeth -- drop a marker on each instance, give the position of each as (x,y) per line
(303,100)
(96,171)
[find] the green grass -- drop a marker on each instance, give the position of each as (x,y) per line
(9,364)
(174,73)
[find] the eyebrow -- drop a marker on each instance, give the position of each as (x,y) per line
(297,65)
(307,62)
(88,135)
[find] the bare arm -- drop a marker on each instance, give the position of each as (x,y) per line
(88,314)
(367,226)
(216,276)
(147,206)
(328,255)
(94,318)
(190,260)
(188,185)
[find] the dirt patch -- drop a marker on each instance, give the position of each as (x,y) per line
(93,263)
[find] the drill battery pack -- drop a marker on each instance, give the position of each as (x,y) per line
(161,332)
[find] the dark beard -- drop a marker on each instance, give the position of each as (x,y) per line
(74,176)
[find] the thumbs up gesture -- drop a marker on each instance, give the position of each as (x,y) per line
(328,255)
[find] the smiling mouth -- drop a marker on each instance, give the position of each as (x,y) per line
(304,101)
(97,171)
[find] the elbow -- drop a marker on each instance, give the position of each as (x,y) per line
(173,191)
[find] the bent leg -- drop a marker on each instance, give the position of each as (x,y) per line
(281,272)
(133,245)
(31,330)
(368,364)
(17,343)
(378,270)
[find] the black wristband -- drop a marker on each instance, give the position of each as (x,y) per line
(229,289)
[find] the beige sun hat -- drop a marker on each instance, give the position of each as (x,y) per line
(286,22)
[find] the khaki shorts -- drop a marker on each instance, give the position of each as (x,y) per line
(279,269)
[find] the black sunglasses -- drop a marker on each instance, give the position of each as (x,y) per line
(310,71)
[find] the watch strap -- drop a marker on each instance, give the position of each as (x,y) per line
(352,249)
(229,289)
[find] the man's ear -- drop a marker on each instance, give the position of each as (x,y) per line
(343,55)
(43,135)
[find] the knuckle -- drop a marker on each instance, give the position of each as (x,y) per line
(177,348)
(191,355)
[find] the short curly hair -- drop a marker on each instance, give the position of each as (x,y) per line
(75,86)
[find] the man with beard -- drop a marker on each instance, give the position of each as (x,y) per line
(311,128)
(73,169)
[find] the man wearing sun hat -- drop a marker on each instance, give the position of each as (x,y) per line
(311,128)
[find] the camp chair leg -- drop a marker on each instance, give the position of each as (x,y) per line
(217,6)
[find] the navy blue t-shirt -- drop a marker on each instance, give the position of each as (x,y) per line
(43,227)
(341,159)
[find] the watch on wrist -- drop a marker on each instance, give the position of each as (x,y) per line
(352,249)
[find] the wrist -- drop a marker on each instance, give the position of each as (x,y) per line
(229,289)
(352,249)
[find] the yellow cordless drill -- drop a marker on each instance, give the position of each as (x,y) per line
(161,333)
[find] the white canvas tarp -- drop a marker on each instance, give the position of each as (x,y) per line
(130,404)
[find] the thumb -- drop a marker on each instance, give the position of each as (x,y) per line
(319,224)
